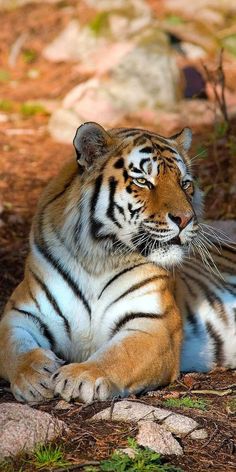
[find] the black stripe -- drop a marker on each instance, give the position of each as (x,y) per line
(34,300)
(213,278)
(142,162)
(140,140)
(45,331)
(211,297)
(144,133)
(64,274)
(134,212)
(62,240)
(96,225)
(189,288)
(128,132)
(119,164)
(132,316)
(66,186)
(191,318)
(110,210)
(119,275)
(147,149)
(139,285)
(218,343)
(97,187)
(125,175)
(222,254)
(135,169)
(53,302)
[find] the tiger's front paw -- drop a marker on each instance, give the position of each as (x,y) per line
(85,382)
(32,381)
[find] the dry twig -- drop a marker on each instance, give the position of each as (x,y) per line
(217,81)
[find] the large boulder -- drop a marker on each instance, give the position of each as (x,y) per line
(142,75)
(23,427)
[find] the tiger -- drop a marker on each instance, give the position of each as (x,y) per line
(113,302)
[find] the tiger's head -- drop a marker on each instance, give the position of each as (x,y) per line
(140,196)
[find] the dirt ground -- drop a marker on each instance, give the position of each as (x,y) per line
(29,158)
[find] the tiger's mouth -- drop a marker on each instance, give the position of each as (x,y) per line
(174,241)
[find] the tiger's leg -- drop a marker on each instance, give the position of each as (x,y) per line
(26,357)
(136,358)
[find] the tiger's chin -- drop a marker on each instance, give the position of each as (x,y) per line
(167,257)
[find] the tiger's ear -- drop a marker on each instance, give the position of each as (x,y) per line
(183,139)
(91,142)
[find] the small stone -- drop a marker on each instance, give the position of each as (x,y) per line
(3,118)
(132,411)
(63,125)
(62,405)
(156,437)
(129,451)
(199,434)
(22,427)
(180,424)
(16,219)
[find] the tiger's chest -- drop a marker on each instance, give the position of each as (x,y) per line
(102,302)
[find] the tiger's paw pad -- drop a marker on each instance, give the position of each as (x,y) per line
(82,382)
(32,381)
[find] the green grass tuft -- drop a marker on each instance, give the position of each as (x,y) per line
(186,402)
(174,20)
(221,129)
(6,105)
(145,460)
(28,109)
(99,23)
(49,455)
(4,75)
(229,43)
(29,56)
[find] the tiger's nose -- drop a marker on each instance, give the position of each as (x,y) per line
(181,219)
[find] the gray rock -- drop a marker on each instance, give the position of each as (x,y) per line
(63,124)
(129,452)
(157,438)
(132,411)
(199,434)
(22,427)
(126,89)
(134,89)
(62,405)
(180,424)
(74,43)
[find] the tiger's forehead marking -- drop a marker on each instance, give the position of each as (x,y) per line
(147,160)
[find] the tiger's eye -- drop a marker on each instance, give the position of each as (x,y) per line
(141,181)
(186,184)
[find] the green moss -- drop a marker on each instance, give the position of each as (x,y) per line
(186,402)
(6,105)
(100,23)
(230,43)
(29,55)
(28,109)
(174,20)
(4,75)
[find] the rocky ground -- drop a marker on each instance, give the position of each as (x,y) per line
(47,88)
